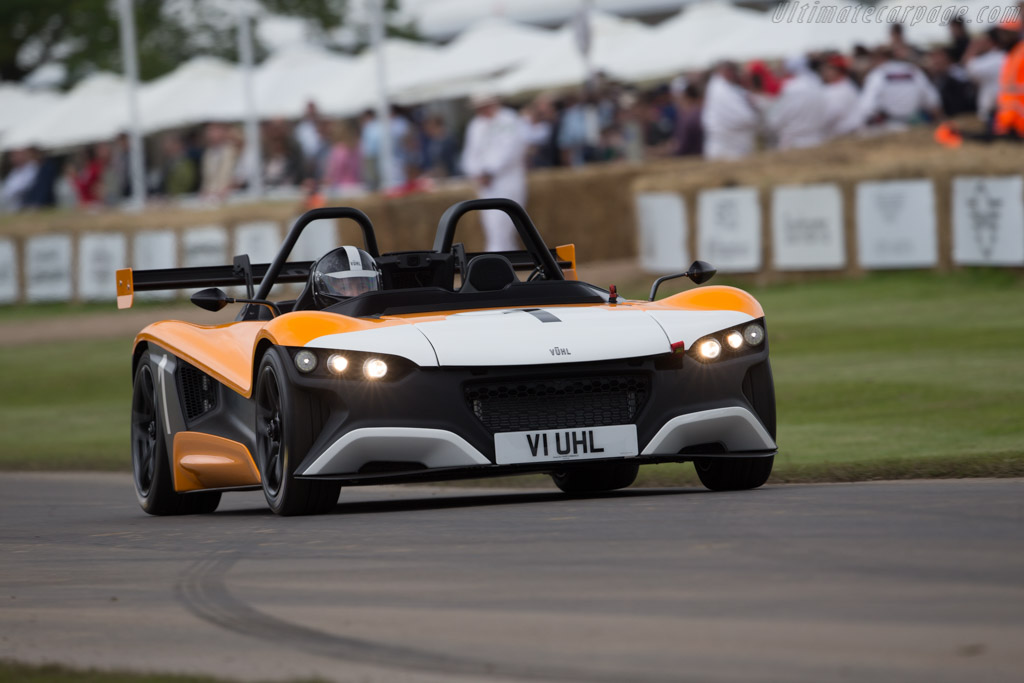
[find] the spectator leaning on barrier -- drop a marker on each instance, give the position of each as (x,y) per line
(983,62)
(219,160)
(797,117)
(1009,120)
(729,118)
(840,98)
(86,173)
(951,80)
(24,168)
(896,94)
(178,171)
(688,137)
(494,156)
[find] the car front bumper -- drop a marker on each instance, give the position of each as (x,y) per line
(423,426)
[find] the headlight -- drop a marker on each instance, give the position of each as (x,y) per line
(754,334)
(375,368)
(337,364)
(734,339)
(709,349)
(305,361)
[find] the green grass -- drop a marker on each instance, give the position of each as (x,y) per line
(893,375)
(52,673)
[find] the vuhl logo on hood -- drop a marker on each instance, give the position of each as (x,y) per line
(559,351)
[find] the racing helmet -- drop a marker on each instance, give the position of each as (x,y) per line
(343,273)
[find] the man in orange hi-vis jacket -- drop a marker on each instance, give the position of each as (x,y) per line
(1009,119)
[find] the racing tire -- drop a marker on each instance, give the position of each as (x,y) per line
(151,466)
(739,474)
(596,478)
(733,474)
(283,438)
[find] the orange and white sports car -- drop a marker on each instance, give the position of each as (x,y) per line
(434,365)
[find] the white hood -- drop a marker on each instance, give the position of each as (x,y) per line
(536,336)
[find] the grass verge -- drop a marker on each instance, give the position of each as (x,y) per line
(891,376)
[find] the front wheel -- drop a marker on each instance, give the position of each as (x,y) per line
(283,437)
(596,478)
(151,468)
(733,474)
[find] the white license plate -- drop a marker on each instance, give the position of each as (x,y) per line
(565,444)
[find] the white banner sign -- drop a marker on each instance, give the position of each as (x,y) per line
(318,238)
(261,240)
(896,225)
(10,287)
(155,250)
(206,246)
(99,256)
(729,229)
(48,268)
(988,221)
(661,218)
(807,227)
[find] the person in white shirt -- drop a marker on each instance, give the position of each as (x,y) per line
(797,115)
(494,156)
(983,62)
(841,97)
(729,118)
(19,180)
(896,94)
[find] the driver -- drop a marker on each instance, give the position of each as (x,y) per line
(344,273)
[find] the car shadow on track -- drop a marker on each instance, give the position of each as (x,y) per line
(451,499)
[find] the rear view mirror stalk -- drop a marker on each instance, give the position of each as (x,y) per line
(699,272)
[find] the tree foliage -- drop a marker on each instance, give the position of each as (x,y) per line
(85,34)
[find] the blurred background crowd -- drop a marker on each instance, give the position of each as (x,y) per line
(727,111)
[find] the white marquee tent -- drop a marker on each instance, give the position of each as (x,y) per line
(201,89)
(93,110)
(561,64)
(287,80)
(356,90)
(489,47)
(19,104)
(683,42)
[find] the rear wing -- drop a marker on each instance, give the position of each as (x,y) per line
(130,281)
(242,274)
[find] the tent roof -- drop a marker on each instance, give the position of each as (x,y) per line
(290,78)
(86,114)
(561,65)
(201,89)
(683,42)
(19,104)
(490,46)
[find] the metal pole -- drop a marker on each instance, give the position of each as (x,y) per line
(130,58)
(252,129)
(385,156)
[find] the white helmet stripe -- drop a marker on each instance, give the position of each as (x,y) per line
(355,260)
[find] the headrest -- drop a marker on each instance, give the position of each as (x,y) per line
(488,273)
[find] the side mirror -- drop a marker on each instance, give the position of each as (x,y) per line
(699,272)
(212,299)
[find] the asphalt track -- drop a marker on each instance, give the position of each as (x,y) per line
(907,581)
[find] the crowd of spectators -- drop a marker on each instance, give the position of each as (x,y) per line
(726,113)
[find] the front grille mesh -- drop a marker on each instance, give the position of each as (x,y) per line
(592,401)
(198,391)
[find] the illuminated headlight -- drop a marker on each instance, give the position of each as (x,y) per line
(754,334)
(305,361)
(734,339)
(375,368)
(337,364)
(709,349)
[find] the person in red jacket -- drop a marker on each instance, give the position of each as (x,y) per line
(87,179)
